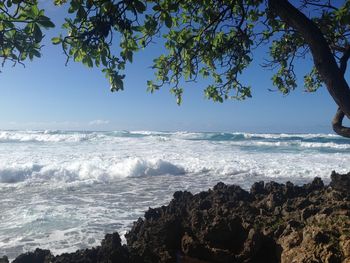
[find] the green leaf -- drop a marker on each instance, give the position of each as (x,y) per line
(174,6)
(156,8)
(46,22)
(129,55)
(90,64)
(168,20)
(23,56)
(38,35)
(71,9)
(87,61)
(36,53)
(104,60)
(140,7)
(81,14)
(35,10)
(56,40)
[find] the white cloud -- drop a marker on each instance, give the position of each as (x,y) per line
(98,122)
(56,125)
(71,125)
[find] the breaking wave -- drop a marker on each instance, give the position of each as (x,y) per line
(64,190)
(329,140)
(88,171)
(60,156)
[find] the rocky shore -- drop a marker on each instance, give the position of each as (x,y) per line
(270,223)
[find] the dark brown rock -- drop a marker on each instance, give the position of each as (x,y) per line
(271,223)
(340,182)
(308,212)
(110,251)
(315,185)
(258,188)
(38,256)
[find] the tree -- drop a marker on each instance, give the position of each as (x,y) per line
(209,38)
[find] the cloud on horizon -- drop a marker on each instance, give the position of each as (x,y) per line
(99,122)
(55,125)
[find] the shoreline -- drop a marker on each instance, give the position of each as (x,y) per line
(271,223)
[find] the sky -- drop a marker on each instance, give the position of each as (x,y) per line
(46,94)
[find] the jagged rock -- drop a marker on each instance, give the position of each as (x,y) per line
(258,188)
(229,224)
(316,184)
(210,231)
(110,251)
(345,246)
(340,182)
(4,259)
(271,223)
(38,256)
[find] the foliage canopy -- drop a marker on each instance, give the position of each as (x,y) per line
(208,38)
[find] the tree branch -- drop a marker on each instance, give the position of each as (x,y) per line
(320,5)
(344,60)
(337,124)
(325,63)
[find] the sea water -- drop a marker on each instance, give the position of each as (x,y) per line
(65,190)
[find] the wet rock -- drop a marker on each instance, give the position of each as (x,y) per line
(340,182)
(193,248)
(308,212)
(224,233)
(253,244)
(290,190)
(38,256)
(258,188)
(316,185)
(110,251)
(320,237)
(4,259)
(275,199)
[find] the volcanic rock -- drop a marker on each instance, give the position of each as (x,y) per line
(271,223)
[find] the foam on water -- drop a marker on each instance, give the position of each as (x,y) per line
(88,171)
(65,190)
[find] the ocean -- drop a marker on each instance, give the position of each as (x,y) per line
(65,190)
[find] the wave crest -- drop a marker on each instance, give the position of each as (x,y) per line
(88,171)
(15,174)
(136,167)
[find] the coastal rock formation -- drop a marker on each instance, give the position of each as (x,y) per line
(39,255)
(270,223)
(110,250)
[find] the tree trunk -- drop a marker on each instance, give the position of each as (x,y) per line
(337,124)
(324,60)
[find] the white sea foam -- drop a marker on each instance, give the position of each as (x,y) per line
(8,136)
(295,144)
(330,145)
(108,156)
(14,174)
(65,190)
(285,135)
(88,171)
(60,136)
(138,167)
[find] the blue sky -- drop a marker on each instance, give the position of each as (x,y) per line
(48,95)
